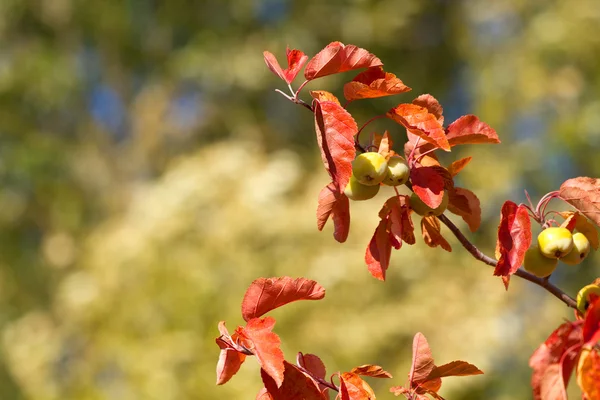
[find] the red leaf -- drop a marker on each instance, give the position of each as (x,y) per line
(323,95)
(331,201)
(431,229)
(563,345)
(465,203)
(295,59)
(266,294)
(379,251)
(312,364)
(552,386)
(335,129)
(588,373)
(296,385)
(514,238)
(373,83)
(422,360)
(230,361)
(337,57)
(468,129)
(458,165)
(265,346)
(264,395)
(432,105)
(591,325)
(584,194)
(355,387)
(419,121)
(454,368)
(374,371)
(428,184)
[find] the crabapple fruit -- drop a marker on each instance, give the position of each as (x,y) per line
(357,191)
(555,242)
(397,172)
(581,248)
(539,265)
(369,168)
(424,210)
(584,299)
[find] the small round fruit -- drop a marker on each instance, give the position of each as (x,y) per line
(555,242)
(581,248)
(537,264)
(423,209)
(583,297)
(369,168)
(397,171)
(357,191)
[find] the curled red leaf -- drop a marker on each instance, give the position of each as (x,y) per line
(468,129)
(295,386)
(266,294)
(432,235)
(374,371)
(374,83)
(465,203)
(295,59)
(432,105)
(428,183)
(514,238)
(583,193)
(332,202)
(337,57)
(379,251)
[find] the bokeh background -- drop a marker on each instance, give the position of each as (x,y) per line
(149,173)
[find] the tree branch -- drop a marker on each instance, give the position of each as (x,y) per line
(478,254)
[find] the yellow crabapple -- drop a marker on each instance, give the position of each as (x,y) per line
(555,242)
(581,248)
(357,191)
(397,171)
(369,168)
(424,210)
(539,265)
(583,296)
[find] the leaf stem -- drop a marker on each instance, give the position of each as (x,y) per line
(357,139)
(317,379)
(299,89)
(479,255)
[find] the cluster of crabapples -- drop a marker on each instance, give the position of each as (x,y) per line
(556,243)
(370,170)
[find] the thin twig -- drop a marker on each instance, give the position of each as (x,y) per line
(479,255)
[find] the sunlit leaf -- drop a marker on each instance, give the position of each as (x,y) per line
(432,105)
(266,294)
(458,165)
(588,373)
(265,346)
(323,95)
(230,361)
(379,251)
(337,57)
(583,225)
(295,386)
(428,184)
(468,129)
(356,388)
(373,83)
(374,371)
(465,203)
(419,121)
(332,202)
(295,59)
(583,193)
(454,368)
(422,359)
(431,229)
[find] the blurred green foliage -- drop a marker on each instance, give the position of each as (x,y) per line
(150,173)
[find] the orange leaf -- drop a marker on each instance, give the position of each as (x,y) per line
(432,105)
(583,193)
(428,184)
(514,238)
(379,251)
(422,359)
(295,59)
(323,95)
(454,368)
(468,129)
(266,294)
(465,203)
(355,388)
(588,373)
(335,130)
(332,202)
(563,345)
(458,165)
(337,57)
(374,371)
(591,325)
(431,229)
(373,83)
(230,361)
(265,346)
(384,144)
(419,121)
(295,386)
(312,364)
(264,395)
(583,225)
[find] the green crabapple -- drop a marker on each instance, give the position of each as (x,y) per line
(369,168)
(357,191)
(424,210)
(555,242)
(397,171)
